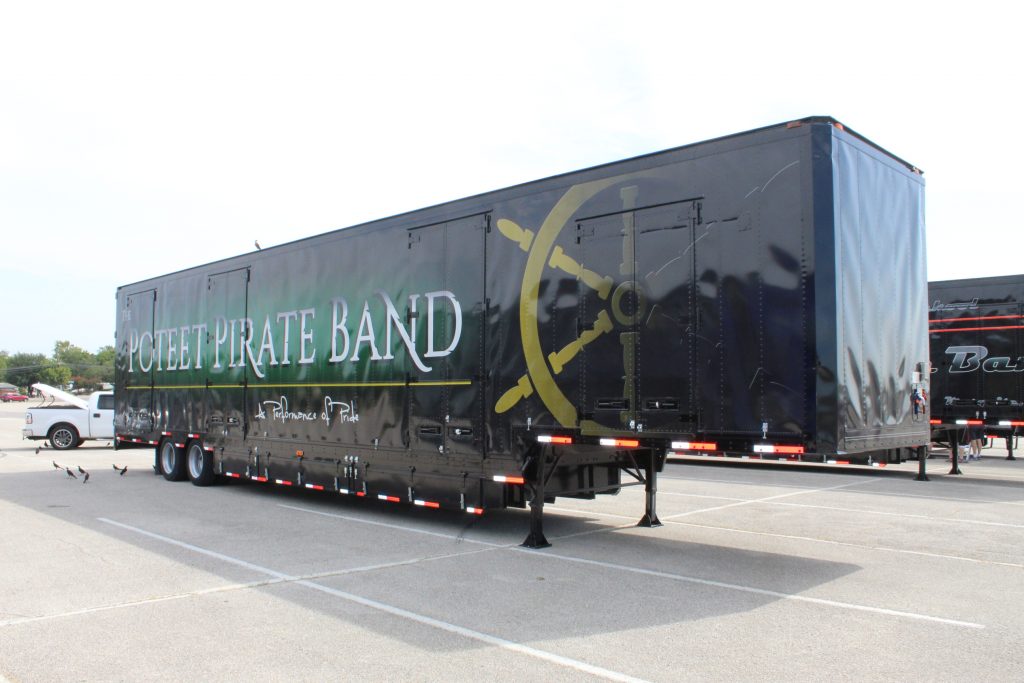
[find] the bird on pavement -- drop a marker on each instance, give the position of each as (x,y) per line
(80,470)
(86,478)
(121,470)
(70,473)
(56,466)
(258,247)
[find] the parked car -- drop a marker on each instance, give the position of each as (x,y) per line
(8,397)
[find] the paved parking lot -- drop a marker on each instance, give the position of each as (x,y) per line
(759,573)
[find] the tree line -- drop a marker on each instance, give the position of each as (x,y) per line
(69,365)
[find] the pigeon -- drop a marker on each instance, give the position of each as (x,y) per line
(121,470)
(86,478)
(258,247)
(56,466)
(70,473)
(37,450)
(80,470)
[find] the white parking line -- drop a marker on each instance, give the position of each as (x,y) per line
(880,548)
(901,515)
(390,609)
(249,585)
(708,582)
(349,518)
(882,494)
(760,591)
(810,539)
(770,498)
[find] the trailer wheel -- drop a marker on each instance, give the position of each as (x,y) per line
(172,461)
(200,464)
(63,436)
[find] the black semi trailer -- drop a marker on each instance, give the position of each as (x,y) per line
(760,295)
(977,349)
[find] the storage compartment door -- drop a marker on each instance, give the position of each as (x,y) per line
(666,329)
(606,325)
(445,390)
(636,321)
(226,313)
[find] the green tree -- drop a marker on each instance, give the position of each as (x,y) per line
(54,374)
(3,365)
(105,363)
(81,364)
(24,369)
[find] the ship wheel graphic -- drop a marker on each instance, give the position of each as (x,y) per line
(624,303)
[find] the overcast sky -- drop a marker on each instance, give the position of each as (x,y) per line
(138,138)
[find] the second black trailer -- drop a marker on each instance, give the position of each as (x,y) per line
(976,328)
(761,295)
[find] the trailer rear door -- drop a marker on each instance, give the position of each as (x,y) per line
(135,405)
(976,357)
(637,334)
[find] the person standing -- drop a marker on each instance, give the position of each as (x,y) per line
(977,435)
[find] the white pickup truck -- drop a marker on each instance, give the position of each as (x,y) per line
(66,420)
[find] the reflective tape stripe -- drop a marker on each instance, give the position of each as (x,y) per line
(623,443)
(694,446)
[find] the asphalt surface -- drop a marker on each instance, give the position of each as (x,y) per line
(759,573)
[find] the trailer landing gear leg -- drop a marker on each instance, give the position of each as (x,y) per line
(954,452)
(922,458)
(1009,444)
(650,518)
(536,539)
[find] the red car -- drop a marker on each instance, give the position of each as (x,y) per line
(6,398)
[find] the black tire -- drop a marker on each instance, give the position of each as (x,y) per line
(63,436)
(171,461)
(199,463)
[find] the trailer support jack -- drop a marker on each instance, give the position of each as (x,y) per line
(922,458)
(1009,444)
(536,538)
(650,518)
(954,452)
